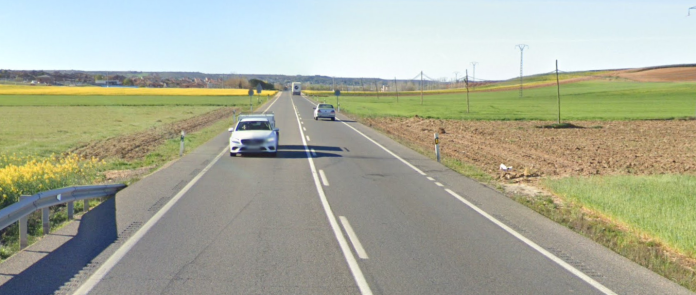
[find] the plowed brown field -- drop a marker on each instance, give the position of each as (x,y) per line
(616,147)
(681,74)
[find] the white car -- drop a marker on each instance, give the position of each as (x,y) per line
(254,134)
(324,110)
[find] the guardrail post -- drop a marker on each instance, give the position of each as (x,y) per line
(86,206)
(71,210)
(45,212)
(23,242)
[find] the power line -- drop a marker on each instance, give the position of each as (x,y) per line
(521,47)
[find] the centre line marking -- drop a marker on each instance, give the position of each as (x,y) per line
(323,178)
(439,184)
(353,238)
(343,244)
(307,137)
(305,129)
(431,179)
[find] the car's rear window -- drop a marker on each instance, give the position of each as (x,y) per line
(326,106)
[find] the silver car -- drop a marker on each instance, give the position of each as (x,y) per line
(324,110)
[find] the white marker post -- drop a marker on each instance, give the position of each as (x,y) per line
(181,149)
(437,147)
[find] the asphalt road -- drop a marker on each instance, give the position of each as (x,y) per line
(345,210)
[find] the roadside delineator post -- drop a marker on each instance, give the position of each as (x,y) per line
(437,147)
(181,148)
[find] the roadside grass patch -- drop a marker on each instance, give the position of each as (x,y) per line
(661,206)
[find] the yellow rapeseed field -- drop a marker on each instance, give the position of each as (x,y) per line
(66,90)
(36,175)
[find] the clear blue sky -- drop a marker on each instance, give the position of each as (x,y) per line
(353,38)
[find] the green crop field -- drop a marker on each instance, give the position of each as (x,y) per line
(590,100)
(40,125)
(100,100)
(41,131)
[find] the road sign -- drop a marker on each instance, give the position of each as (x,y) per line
(251,92)
(258,88)
(337,92)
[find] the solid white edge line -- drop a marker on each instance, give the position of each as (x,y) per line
(517,235)
(353,238)
(109,264)
(276,99)
(386,150)
(343,244)
(323,178)
(439,184)
(535,246)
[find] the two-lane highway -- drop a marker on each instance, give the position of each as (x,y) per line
(342,210)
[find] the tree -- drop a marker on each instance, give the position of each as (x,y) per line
(265,86)
(99,77)
(128,82)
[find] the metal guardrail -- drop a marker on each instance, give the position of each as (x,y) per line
(42,201)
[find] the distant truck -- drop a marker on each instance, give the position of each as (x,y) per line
(254,133)
(296,88)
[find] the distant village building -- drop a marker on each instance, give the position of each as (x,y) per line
(107,82)
(44,79)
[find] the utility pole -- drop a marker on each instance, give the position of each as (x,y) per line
(362,85)
(455,79)
(333,87)
(421,87)
(467,91)
(474,79)
(558,86)
(521,47)
(396,86)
